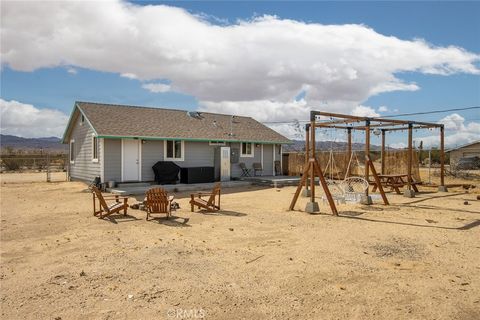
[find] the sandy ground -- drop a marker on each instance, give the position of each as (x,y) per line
(416,259)
(23,177)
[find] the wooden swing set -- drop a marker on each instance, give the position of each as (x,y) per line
(313,170)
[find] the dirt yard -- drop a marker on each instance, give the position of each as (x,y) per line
(416,259)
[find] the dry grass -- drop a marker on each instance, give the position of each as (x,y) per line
(416,259)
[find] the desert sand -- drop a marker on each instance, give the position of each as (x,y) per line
(416,259)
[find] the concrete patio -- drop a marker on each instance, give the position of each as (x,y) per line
(132,189)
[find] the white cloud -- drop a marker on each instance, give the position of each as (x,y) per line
(157,87)
(25,120)
(129,76)
(383,109)
(72,70)
(363,111)
(255,67)
(457,132)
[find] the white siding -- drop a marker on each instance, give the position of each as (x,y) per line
(83,167)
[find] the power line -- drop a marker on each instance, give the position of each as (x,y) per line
(429,112)
(388,116)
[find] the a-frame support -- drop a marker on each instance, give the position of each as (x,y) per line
(314,167)
(369,163)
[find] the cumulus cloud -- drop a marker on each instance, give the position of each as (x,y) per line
(363,111)
(25,120)
(255,67)
(72,70)
(457,132)
(157,87)
(383,109)
(129,76)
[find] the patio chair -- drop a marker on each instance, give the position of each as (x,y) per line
(108,209)
(212,204)
(257,167)
(278,168)
(245,170)
(158,201)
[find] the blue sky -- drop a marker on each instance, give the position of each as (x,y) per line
(56,83)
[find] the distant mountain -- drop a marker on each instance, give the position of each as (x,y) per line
(299,145)
(52,144)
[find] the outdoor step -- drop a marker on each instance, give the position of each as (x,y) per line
(132,184)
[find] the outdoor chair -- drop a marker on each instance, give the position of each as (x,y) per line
(212,204)
(245,170)
(257,167)
(158,201)
(108,209)
(278,168)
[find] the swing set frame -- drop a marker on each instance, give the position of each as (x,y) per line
(312,168)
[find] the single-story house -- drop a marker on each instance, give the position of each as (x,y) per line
(121,143)
(464,151)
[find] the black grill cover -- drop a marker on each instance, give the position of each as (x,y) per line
(166,172)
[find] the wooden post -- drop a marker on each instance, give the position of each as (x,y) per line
(317,168)
(349,150)
(307,150)
(409,156)
(312,171)
(382,171)
(377,180)
(442,156)
(367,152)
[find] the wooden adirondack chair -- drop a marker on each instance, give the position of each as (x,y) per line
(158,201)
(212,204)
(108,209)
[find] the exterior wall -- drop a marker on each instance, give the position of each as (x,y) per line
(235,170)
(267,160)
(197,154)
(83,167)
(113,160)
(468,151)
(152,152)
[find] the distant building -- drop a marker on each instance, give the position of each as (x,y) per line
(465,151)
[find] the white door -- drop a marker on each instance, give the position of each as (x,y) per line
(225,164)
(130,160)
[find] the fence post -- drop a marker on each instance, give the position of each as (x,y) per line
(48,168)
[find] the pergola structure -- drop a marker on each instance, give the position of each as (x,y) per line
(366,124)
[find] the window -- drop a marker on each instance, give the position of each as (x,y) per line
(82,119)
(247,149)
(94,149)
(72,151)
(216,143)
(174,150)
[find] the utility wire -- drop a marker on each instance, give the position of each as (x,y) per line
(388,116)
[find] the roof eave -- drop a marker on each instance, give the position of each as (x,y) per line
(107,136)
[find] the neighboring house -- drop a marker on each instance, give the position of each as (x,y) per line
(122,143)
(465,151)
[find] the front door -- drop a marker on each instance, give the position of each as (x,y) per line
(130,160)
(225,164)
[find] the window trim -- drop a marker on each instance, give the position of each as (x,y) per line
(71,155)
(217,143)
(246,155)
(93,148)
(182,158)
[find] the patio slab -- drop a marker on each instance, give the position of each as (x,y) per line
(126,190)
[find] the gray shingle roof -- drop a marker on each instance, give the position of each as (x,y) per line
(132,121)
